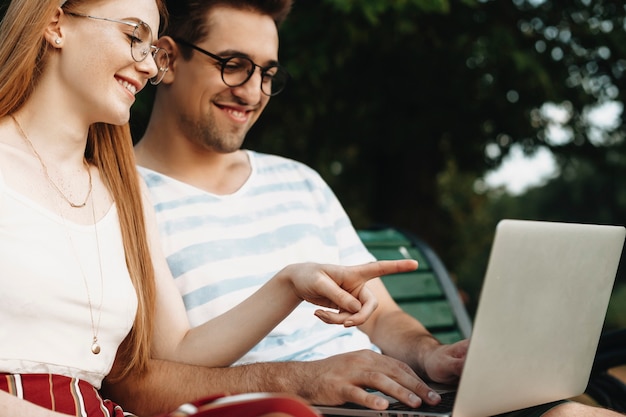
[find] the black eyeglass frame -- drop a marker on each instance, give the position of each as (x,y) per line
(154,50)
(224,62)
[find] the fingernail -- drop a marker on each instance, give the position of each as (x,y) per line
(380,403)
(433,396)
(348,323)
(414,400)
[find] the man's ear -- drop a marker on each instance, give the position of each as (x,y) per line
(53,32)
(167,43)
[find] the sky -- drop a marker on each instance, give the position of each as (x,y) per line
(519,172)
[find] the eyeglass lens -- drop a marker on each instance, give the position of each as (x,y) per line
(237,71)
(141,46)
(141,41)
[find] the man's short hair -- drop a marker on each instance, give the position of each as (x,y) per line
(187,18)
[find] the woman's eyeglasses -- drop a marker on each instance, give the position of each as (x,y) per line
(140,44)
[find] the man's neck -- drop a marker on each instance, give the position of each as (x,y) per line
(217,173)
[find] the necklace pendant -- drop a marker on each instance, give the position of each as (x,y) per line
(74,205)
(95,347)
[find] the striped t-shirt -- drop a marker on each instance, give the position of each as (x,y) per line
(222,248)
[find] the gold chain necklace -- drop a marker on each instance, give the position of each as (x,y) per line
(95,328)
(95,346)
(45,169)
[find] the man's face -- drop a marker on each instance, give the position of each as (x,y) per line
(211,114)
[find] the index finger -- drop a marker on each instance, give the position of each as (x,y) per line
(376,269)
(347,283)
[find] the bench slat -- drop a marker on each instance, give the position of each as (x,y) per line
(413,286)
(428,293)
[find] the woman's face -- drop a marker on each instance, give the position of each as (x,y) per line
(98,73)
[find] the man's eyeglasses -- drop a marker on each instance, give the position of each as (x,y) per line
(140,44)
(237,70)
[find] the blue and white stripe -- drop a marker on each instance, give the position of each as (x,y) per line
(222,248)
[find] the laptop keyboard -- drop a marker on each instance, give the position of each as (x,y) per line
(445,405)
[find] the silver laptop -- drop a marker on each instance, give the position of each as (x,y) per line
(540,314)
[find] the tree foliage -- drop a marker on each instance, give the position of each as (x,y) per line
(387,94)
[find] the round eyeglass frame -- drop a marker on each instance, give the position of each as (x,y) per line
(281,76)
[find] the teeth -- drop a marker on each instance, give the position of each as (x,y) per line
(237,113)
(128,86)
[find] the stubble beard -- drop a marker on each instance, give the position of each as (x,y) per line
(208,135)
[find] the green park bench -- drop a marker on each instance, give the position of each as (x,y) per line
(428,293)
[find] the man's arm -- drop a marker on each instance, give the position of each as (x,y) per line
(166,385)
(403,337)
(338,379)
(398,334)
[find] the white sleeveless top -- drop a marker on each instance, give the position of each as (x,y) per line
(45,321)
